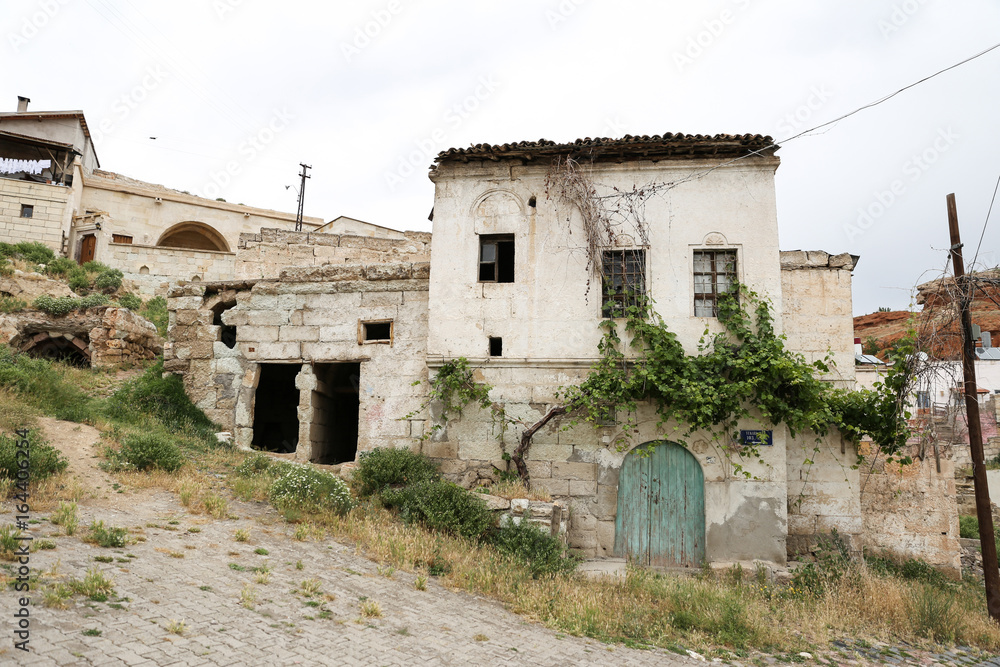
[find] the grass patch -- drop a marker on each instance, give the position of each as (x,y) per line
(46,460)
(107,536)
(66,517)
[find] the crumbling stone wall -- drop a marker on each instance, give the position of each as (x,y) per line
(309,316)
(823,495)
(910,511)
(264,255)
(108,337)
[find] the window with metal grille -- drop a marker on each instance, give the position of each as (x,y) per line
(714,274)
(27,211)
(624,280)
(496,258)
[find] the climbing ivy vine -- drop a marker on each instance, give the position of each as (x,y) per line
(743,372)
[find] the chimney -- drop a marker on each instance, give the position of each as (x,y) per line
(22,104)
(857,346)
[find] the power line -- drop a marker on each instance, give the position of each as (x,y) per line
(986,222)
(759,151)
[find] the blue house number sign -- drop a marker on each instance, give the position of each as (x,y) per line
(757,438)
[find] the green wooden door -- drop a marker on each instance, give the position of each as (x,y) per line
(661,508)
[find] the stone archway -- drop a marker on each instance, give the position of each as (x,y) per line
(193,236)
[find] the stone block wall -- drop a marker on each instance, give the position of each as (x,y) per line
(50,217)
(152,268)
(910,511)
(310,316)
(264,255)
(580,465)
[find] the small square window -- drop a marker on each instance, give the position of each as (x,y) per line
(375,331)
(624,280)
(27,211)
(496,258)
(714,274)
(496,346)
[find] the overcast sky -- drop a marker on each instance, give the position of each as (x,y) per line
(238,92)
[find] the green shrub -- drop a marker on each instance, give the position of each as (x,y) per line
(6,250)
(45,460)
(148,451)
(543,554)
(78,279)
(60,266)
(6,268)
(40,381)
(56,306)
(968,527)
(442,505)
(305,487)
(381,469)
(130,301)
(94,300)
(156,312)
(33,252)
(95,267)
(9,304)
(253,465)
(108,281)
(934,614)
(110,537)
(163,398)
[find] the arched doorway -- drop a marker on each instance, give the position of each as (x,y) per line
(193,236)
(661,507)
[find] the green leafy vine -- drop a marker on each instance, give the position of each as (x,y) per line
(744,372)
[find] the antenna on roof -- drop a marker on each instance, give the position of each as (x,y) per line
(302,197)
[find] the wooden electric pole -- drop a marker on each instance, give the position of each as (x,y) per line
(983,506)
(302,197)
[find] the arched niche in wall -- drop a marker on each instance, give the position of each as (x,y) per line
(498,212)
(193,236)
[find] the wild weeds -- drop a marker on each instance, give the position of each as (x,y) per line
(66,517)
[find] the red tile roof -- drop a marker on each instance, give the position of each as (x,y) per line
(669,145)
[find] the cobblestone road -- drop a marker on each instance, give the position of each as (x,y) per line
(196,578)
(190,573)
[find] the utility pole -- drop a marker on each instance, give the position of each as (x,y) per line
(302,197)
(983,507)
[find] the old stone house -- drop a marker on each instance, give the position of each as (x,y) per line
(316,346)
(53,190)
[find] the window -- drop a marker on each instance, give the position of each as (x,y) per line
(923,400)
(121,238)
(714,274)
(496,346)
(624,280)
(27,211)
(376,331)
(496,258)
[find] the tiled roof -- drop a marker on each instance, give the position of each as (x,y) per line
(675,146)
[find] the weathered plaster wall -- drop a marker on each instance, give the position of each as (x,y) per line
(51,215)
(145,211)
(264,255)
(823,495)
(910,511)
(552,308)
(580,465)
(152,268)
